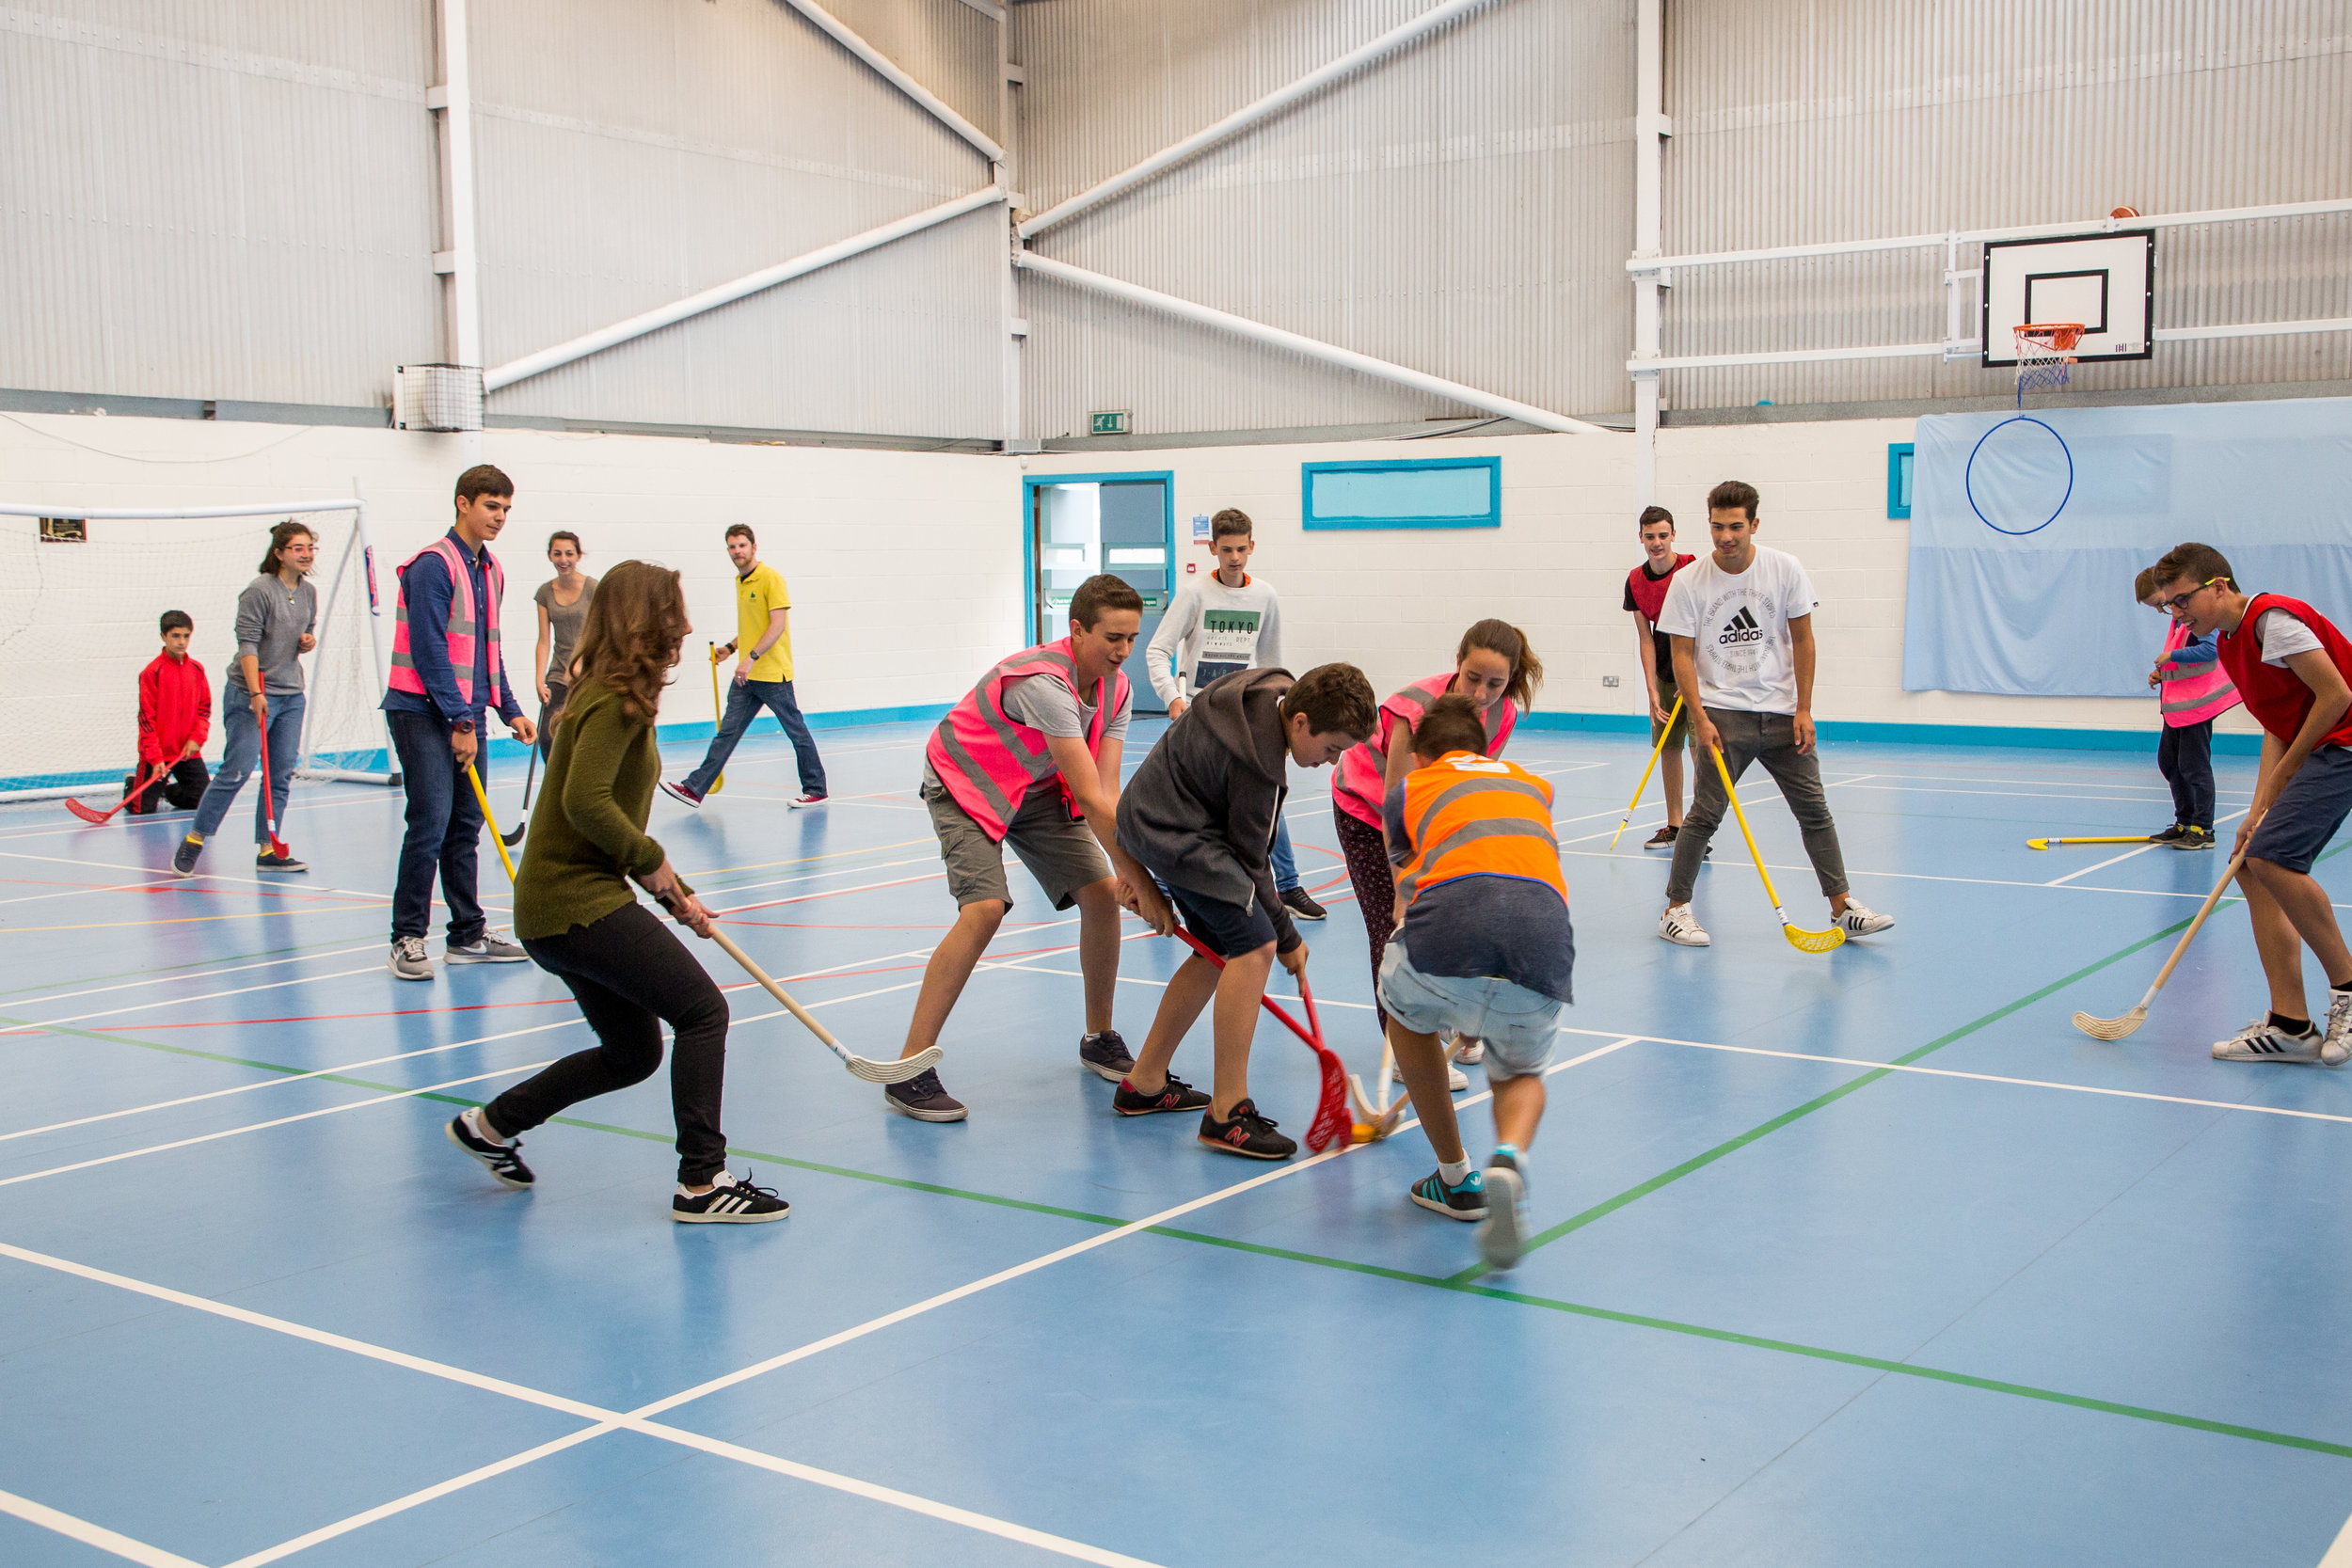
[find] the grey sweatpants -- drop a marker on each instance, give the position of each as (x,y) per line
(1770,738)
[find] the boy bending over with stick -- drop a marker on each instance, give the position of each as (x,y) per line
(2291,666)
(1202,815)
(1485,950)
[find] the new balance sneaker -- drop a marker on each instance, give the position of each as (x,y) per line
(2170,835)
(924,1098)
(803,802)
(1106,1056)
(269,859)
(1297,900)
(2194,838)
(732,1200)
(1856,921)
(2258,1042)
(407,959)
(491,947)
(465,1130)
(1681,928)
(2337,1047)
(682,795)
(184,858)
(1662,839)
(1465,1202)
(1504,1237)
(1128,1100)
(1245,1133)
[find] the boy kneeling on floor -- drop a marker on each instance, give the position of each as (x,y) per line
(1201,815)
(1485,950)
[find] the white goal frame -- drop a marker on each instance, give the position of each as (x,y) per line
(359,540)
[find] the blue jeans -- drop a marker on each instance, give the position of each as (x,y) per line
(1285,864)
(444,828)
(744,700)
(243,757)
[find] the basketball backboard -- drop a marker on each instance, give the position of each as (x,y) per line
(2104,281)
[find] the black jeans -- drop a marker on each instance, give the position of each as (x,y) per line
(2185,757)
(744,700)
(444,829)
(184,786)
(1770,738)
(629,972)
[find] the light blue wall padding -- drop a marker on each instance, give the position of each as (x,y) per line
(2027,529)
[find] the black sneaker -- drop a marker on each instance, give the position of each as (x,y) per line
(2194,838)
(504,1163)
(1662,839)
(1247,1135)
(2170,835)
(732,1200)
(184,858)
(269,859)
(1465,1202)
(1106,1056)
(1298,903)
(924,1098)
(1178,1096)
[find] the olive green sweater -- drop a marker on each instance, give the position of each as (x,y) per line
(588,836)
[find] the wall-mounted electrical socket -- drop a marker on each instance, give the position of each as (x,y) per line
(1608,680)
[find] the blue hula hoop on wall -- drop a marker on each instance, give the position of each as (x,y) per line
(1970,478)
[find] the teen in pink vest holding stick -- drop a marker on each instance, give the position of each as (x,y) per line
(2197,690)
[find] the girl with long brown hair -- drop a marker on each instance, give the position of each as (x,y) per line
(578,917)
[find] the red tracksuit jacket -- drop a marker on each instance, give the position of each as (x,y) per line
(175,707)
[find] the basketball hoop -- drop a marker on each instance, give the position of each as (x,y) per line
(2042,355)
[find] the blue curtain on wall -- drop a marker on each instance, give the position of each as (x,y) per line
(2027,529)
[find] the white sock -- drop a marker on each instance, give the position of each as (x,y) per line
(1454,1172)
(480,1129)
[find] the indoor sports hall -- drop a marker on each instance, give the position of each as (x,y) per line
(1300,780)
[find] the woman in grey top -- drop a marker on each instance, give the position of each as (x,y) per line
(563,610)
(277,617)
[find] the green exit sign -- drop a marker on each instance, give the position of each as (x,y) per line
(1110,421)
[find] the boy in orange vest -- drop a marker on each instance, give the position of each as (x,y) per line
(1485,950)
(2294,669)
(1030,759)
(2197,690)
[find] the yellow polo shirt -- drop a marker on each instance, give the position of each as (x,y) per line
(759,592)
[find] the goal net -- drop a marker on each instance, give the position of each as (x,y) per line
(80,595)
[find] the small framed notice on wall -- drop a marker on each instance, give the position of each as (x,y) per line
(64,531)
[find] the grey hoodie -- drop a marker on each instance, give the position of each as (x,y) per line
(1199,813)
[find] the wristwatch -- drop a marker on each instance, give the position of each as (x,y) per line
(462,726)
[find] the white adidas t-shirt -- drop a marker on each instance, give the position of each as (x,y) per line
(1738,628)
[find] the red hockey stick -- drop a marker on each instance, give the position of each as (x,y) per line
(269,801)
(92,815)
(1332,1123)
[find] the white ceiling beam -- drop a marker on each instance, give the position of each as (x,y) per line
(1243,119)
(726,293)
(993,12)
(888,71)
(1312,348)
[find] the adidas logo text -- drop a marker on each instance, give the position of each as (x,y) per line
(1739,628)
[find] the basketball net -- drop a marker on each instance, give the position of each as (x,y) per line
(2043,356)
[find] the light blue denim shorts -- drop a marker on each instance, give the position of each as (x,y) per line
(1517,1024)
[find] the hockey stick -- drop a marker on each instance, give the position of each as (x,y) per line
(269,799)
(514,835)
(1332,1124)
(718,717)
(1655,753)
(1798,938)
(2116,1028)
(2045,843)
(860,1067)
(506,860)
(93,815)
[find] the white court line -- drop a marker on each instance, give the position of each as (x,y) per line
(158,879)
(2031,794)
(181,818)
(91,1535)
(2129,853)
(194,974)
(39,1024)
(609,1419)
(887,1320)
(292,891)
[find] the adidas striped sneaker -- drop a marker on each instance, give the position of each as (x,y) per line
(2258,1042)
(732,1200)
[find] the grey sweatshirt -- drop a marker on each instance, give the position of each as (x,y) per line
(270,623)
(1211,630)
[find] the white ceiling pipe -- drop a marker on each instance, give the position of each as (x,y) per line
(2251,330)
(1901,351)
(1970,236)
(172,513)
(724,294)
(1241,119)
(888,71)
(1273,337)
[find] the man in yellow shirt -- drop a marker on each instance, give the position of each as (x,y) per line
(763,676)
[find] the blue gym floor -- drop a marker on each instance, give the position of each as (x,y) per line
(1862,1259)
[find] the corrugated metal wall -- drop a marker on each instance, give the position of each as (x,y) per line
(1801,121)
(1462,208)
(634,152)
(216,198)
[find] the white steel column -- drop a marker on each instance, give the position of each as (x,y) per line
(460,265)
(1650,128)
(1015,329)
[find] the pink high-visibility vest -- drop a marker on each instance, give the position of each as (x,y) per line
(988,760)
(464,623)
(1357,784)
(2193,692)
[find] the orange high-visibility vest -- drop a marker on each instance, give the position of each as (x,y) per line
(1468,815)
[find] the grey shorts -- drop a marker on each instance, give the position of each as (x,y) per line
(1517,1024)
(1060,853)
(2309,810)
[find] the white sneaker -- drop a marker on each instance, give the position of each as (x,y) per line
(1455,1079)
(1856,921)
(1472,1054)
(2258,1042)
(1681,928)
(407,959)
(2337,1045)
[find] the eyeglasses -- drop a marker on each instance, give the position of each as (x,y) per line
(2179,602)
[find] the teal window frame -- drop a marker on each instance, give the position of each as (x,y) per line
(1314,521)
(1901,469)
